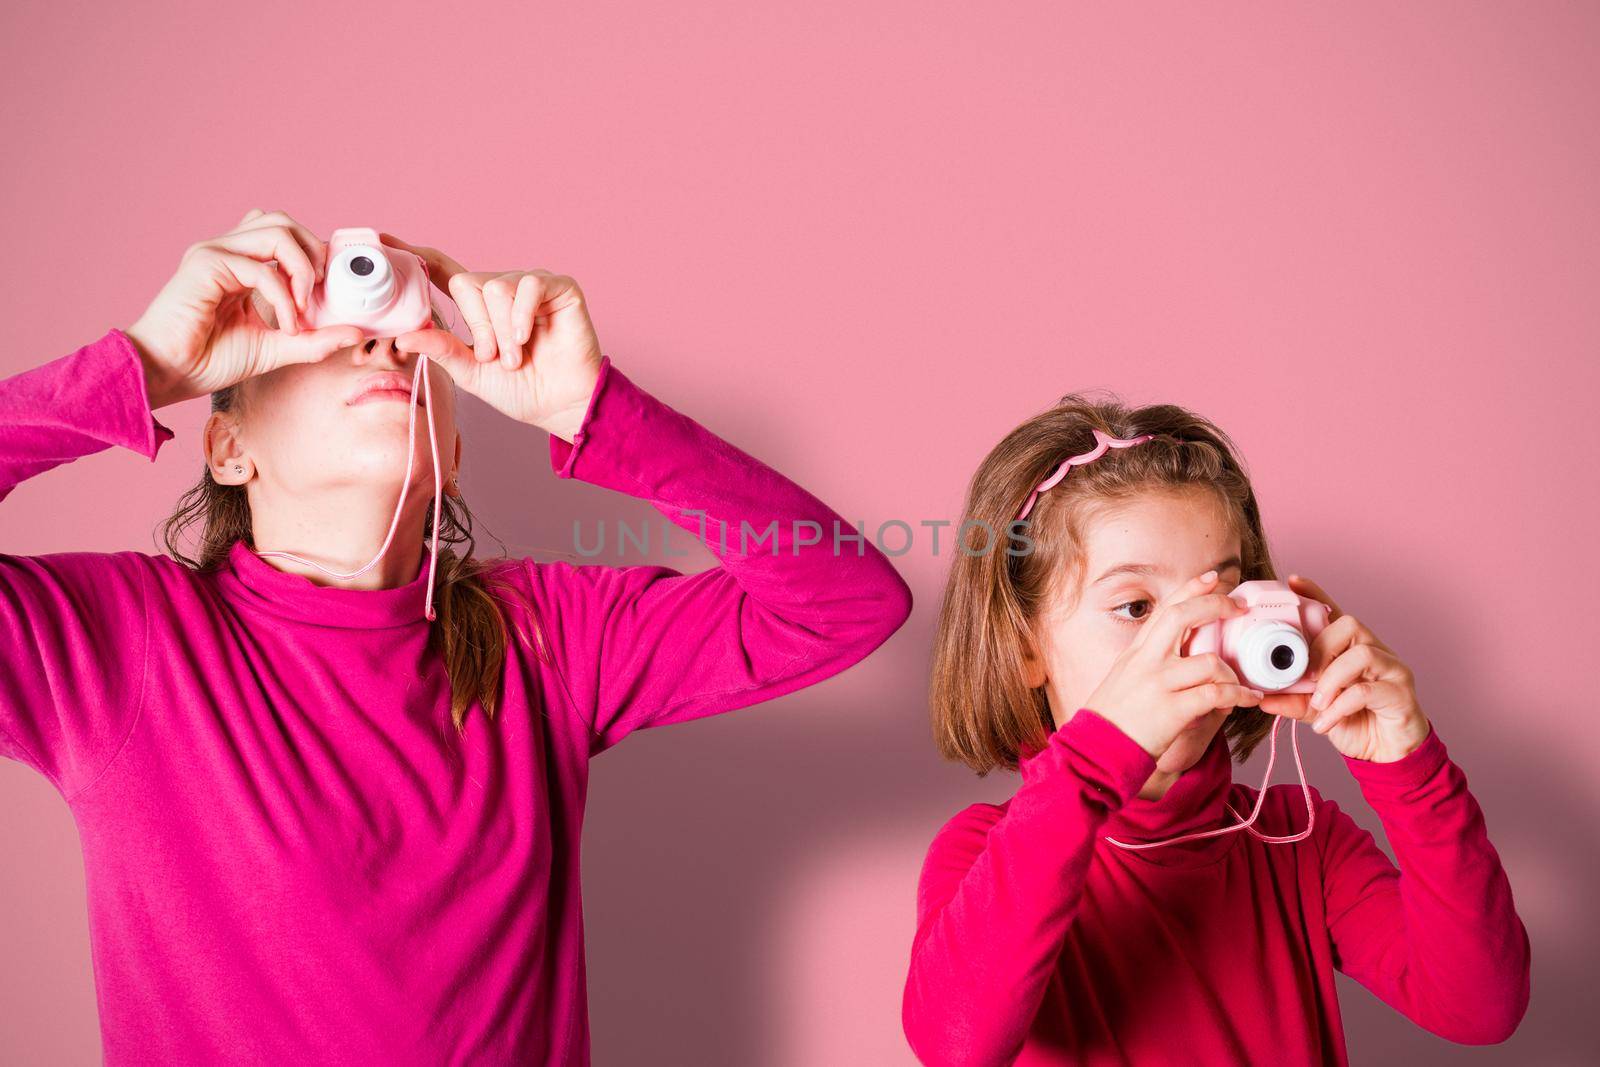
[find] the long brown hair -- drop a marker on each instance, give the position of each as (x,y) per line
(983,713)
(471,631)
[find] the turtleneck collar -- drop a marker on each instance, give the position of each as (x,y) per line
(1196,801)
(250,578)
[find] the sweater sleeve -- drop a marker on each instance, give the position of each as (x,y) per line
(72,624)
(999,891)
(1438,938)
(796,597)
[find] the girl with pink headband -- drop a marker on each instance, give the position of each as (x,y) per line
(1112,911)
(331,809)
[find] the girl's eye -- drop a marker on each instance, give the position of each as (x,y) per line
(1135,610)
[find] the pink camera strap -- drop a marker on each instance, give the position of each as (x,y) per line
(1246,824)
(419,379)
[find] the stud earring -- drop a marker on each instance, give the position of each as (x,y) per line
(238,469)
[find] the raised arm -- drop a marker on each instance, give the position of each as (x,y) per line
(791,602)
(82,403)
(798,595)
(71,623)
(999,892)
(1438,938)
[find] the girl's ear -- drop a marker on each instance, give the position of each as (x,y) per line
(225,455)
(452,481)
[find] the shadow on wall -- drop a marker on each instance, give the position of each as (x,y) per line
(1533,804)
(698,834)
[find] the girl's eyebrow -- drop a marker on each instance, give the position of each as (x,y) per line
(1232,562)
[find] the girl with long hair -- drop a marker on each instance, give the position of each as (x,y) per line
(318,825)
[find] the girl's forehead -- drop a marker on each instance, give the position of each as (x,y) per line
(1162,532)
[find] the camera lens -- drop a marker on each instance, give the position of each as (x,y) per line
(1272,655)
(360,280)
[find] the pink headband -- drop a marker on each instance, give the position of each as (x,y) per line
(1102,441)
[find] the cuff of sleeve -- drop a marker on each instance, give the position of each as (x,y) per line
(564,455)
(1115,764)
(1412,769)
(146,434)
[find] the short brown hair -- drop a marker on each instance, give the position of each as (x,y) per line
(983,713)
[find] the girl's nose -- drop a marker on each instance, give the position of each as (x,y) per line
(381,352)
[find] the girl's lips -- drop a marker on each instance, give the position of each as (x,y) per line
(386,385)
(386,394)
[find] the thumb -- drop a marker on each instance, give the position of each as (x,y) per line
(1288,706)
(445,349)
(309,346)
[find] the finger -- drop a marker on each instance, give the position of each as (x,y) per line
(236,273)
(1306,587)
(444,348)
(1214,695)
(1344,632)
(1357,661)
(1196,586)
(1331,643)
(561,293)
(310,346)
(1187,671)
(469,299)
(498,294)
(525,306)
(316,248)
(1199,585)
(441,268)
(1288,706)
(1172,623)
(432,341)
(1356,698)
(279,243)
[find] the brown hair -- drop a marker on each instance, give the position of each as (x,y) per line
(471,630)
(983,713)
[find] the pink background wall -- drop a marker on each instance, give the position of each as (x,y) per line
(862,240)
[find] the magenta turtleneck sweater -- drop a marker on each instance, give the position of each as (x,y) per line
(292,856)
(1038,942)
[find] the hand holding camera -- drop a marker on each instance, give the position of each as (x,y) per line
(535,355)
(1269,645)
(1280,646)
(1358,692)
(216,322)
(1153,691)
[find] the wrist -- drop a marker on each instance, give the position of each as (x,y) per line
(1103,751)
(1409,771)
(159,387)
(1403,740)
(565,423)
(568,419)
(1140,731)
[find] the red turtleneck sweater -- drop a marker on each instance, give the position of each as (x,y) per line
(292,854)
(1039,942)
